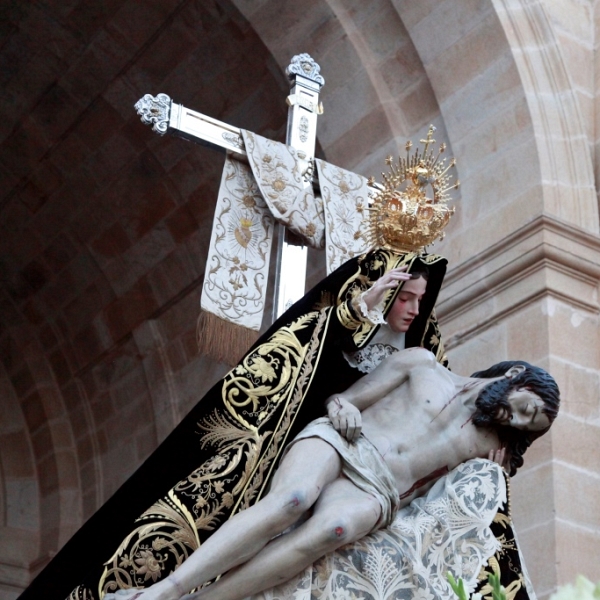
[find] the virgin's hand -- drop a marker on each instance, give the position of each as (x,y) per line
(345,418)
(498,456)
(388,281)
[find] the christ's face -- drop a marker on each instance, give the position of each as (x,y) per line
(406,305)
(527,411)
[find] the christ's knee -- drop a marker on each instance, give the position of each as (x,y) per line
(332,529)
(287,506)
(296,502)
(328,534)
(337,533)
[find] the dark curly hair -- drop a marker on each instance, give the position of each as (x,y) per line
(495,396)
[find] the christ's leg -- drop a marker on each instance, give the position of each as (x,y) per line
(343,514)
(306,470)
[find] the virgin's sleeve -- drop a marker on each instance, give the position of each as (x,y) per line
(350,327)
(375,314)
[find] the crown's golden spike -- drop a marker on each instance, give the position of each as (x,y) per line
(414,161)
(451,164)
(454,186)
(441,150)
(386,178)
(444,191)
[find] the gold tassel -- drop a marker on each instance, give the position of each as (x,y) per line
(222,340)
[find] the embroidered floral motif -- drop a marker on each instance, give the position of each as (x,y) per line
(148,565)
(345,194)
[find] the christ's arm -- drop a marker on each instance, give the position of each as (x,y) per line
(390,374)
(344,409)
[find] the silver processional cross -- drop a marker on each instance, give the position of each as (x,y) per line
(166,116)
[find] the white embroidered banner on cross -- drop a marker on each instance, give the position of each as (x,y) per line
(251,197)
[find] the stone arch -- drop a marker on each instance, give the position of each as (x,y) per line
(374,79)
(528,132)
(19,489)
(40,475)
(562,143)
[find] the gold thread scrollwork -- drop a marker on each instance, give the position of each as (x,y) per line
(81,592)
(257,484)
(260,387)
(166,535)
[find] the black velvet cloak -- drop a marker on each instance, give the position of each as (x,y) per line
(220,458)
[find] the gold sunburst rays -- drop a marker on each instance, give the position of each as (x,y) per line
(410,210)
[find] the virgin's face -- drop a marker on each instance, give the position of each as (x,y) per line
(406,305)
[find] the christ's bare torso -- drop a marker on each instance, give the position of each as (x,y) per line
(422,429)
(416,413)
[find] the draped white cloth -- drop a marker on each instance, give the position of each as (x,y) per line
(237,268)
(272,187)
(446,530)
(278,173)
(345,198)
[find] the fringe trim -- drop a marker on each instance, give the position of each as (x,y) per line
(223,340)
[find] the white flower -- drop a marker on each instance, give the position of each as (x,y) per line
(583,589)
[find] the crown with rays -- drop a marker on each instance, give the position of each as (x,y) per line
(410,210)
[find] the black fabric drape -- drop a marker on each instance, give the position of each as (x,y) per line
(506,562)
(220,458)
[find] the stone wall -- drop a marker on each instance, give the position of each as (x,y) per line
(105,225)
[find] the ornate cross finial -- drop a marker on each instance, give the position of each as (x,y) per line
(429,140)
(304,64)
(155,111)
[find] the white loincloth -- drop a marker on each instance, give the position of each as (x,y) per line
(362,464)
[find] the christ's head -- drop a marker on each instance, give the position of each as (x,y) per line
(521,405)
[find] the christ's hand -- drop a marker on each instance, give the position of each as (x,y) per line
(344,417)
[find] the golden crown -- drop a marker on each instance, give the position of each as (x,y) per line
(403,218)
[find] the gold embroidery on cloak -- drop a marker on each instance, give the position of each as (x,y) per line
(81,593)
(361,329)
(276,372)
(288,416)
